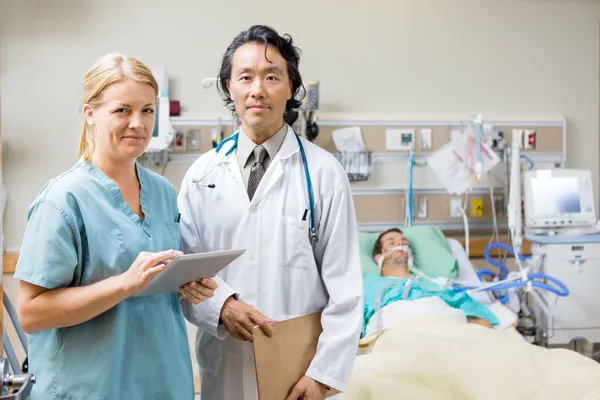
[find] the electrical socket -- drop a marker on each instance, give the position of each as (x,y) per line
(455,207)
(529,139)
(179,141)
(420,207)
(477,207)
(426,139)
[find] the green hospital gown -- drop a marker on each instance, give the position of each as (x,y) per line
(387,290)
(80,231)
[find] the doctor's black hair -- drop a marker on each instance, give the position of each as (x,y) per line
(378,248)
(264,35)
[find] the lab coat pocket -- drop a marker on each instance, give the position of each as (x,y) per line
(295,250)
(175,234)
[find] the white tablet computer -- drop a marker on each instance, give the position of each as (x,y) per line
(190,268)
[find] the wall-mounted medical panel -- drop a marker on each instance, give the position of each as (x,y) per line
(196,136)
(440,208)
(380,199)
(547,138)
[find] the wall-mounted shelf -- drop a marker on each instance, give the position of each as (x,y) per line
(401,191)
(443,225)
(337,119)
(211,120)
(554,157)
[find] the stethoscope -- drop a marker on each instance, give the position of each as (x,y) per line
(313,236)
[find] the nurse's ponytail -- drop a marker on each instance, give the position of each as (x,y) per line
(85,142)
(108,70)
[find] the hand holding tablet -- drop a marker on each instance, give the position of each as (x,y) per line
(197,292)
(189,268)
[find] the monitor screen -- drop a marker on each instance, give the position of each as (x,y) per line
(555,195)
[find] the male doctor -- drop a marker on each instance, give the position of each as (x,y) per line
(253,195)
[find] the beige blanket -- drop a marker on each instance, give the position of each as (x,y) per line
(437,358)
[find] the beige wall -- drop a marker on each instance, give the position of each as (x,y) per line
(401,56)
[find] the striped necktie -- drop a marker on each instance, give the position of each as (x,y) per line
(257,170)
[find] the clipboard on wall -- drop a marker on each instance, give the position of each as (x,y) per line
(283,359)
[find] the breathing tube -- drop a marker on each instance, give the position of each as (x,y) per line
(529,160)
(537,280)
(439,284)
(534,280)
(496,263)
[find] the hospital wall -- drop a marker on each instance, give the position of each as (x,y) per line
(402,57)
(512,58)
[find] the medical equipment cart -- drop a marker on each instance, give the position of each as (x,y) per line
(574,260)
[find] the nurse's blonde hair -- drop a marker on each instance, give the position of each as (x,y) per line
(108,70)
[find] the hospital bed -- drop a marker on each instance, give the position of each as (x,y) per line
(435,357)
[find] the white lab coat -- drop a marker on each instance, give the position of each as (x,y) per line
(278,274)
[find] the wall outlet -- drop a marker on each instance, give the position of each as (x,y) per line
(399,139)
(529,139)
(420,207)
(477,207)
(426,139)
(455,207)
(179,142)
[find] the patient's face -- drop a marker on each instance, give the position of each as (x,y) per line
(391,240)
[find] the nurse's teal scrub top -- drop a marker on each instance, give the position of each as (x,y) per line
(81,231)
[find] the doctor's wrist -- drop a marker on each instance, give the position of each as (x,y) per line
(226,303)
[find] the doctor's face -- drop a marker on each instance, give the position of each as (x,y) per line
(123,121)
(259,86)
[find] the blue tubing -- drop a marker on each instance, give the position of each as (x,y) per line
(564,291)
(496,263)
(528,159)
(484,272)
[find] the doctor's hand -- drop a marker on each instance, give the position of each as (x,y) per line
(197,292)
(145,267)
(239,320)
(308,389)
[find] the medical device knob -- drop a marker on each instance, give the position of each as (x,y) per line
(20,382)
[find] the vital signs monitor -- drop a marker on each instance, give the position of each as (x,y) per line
(559,198)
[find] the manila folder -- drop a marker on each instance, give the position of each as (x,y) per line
(283,359)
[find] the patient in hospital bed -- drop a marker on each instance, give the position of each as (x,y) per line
(392,252)
(416,344)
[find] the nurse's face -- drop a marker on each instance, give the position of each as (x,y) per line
(124,120)
(259,86)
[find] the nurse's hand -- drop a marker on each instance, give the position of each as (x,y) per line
(197,292)
(145,267)
(240,319)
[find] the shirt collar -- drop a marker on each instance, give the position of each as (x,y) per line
(272,145)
